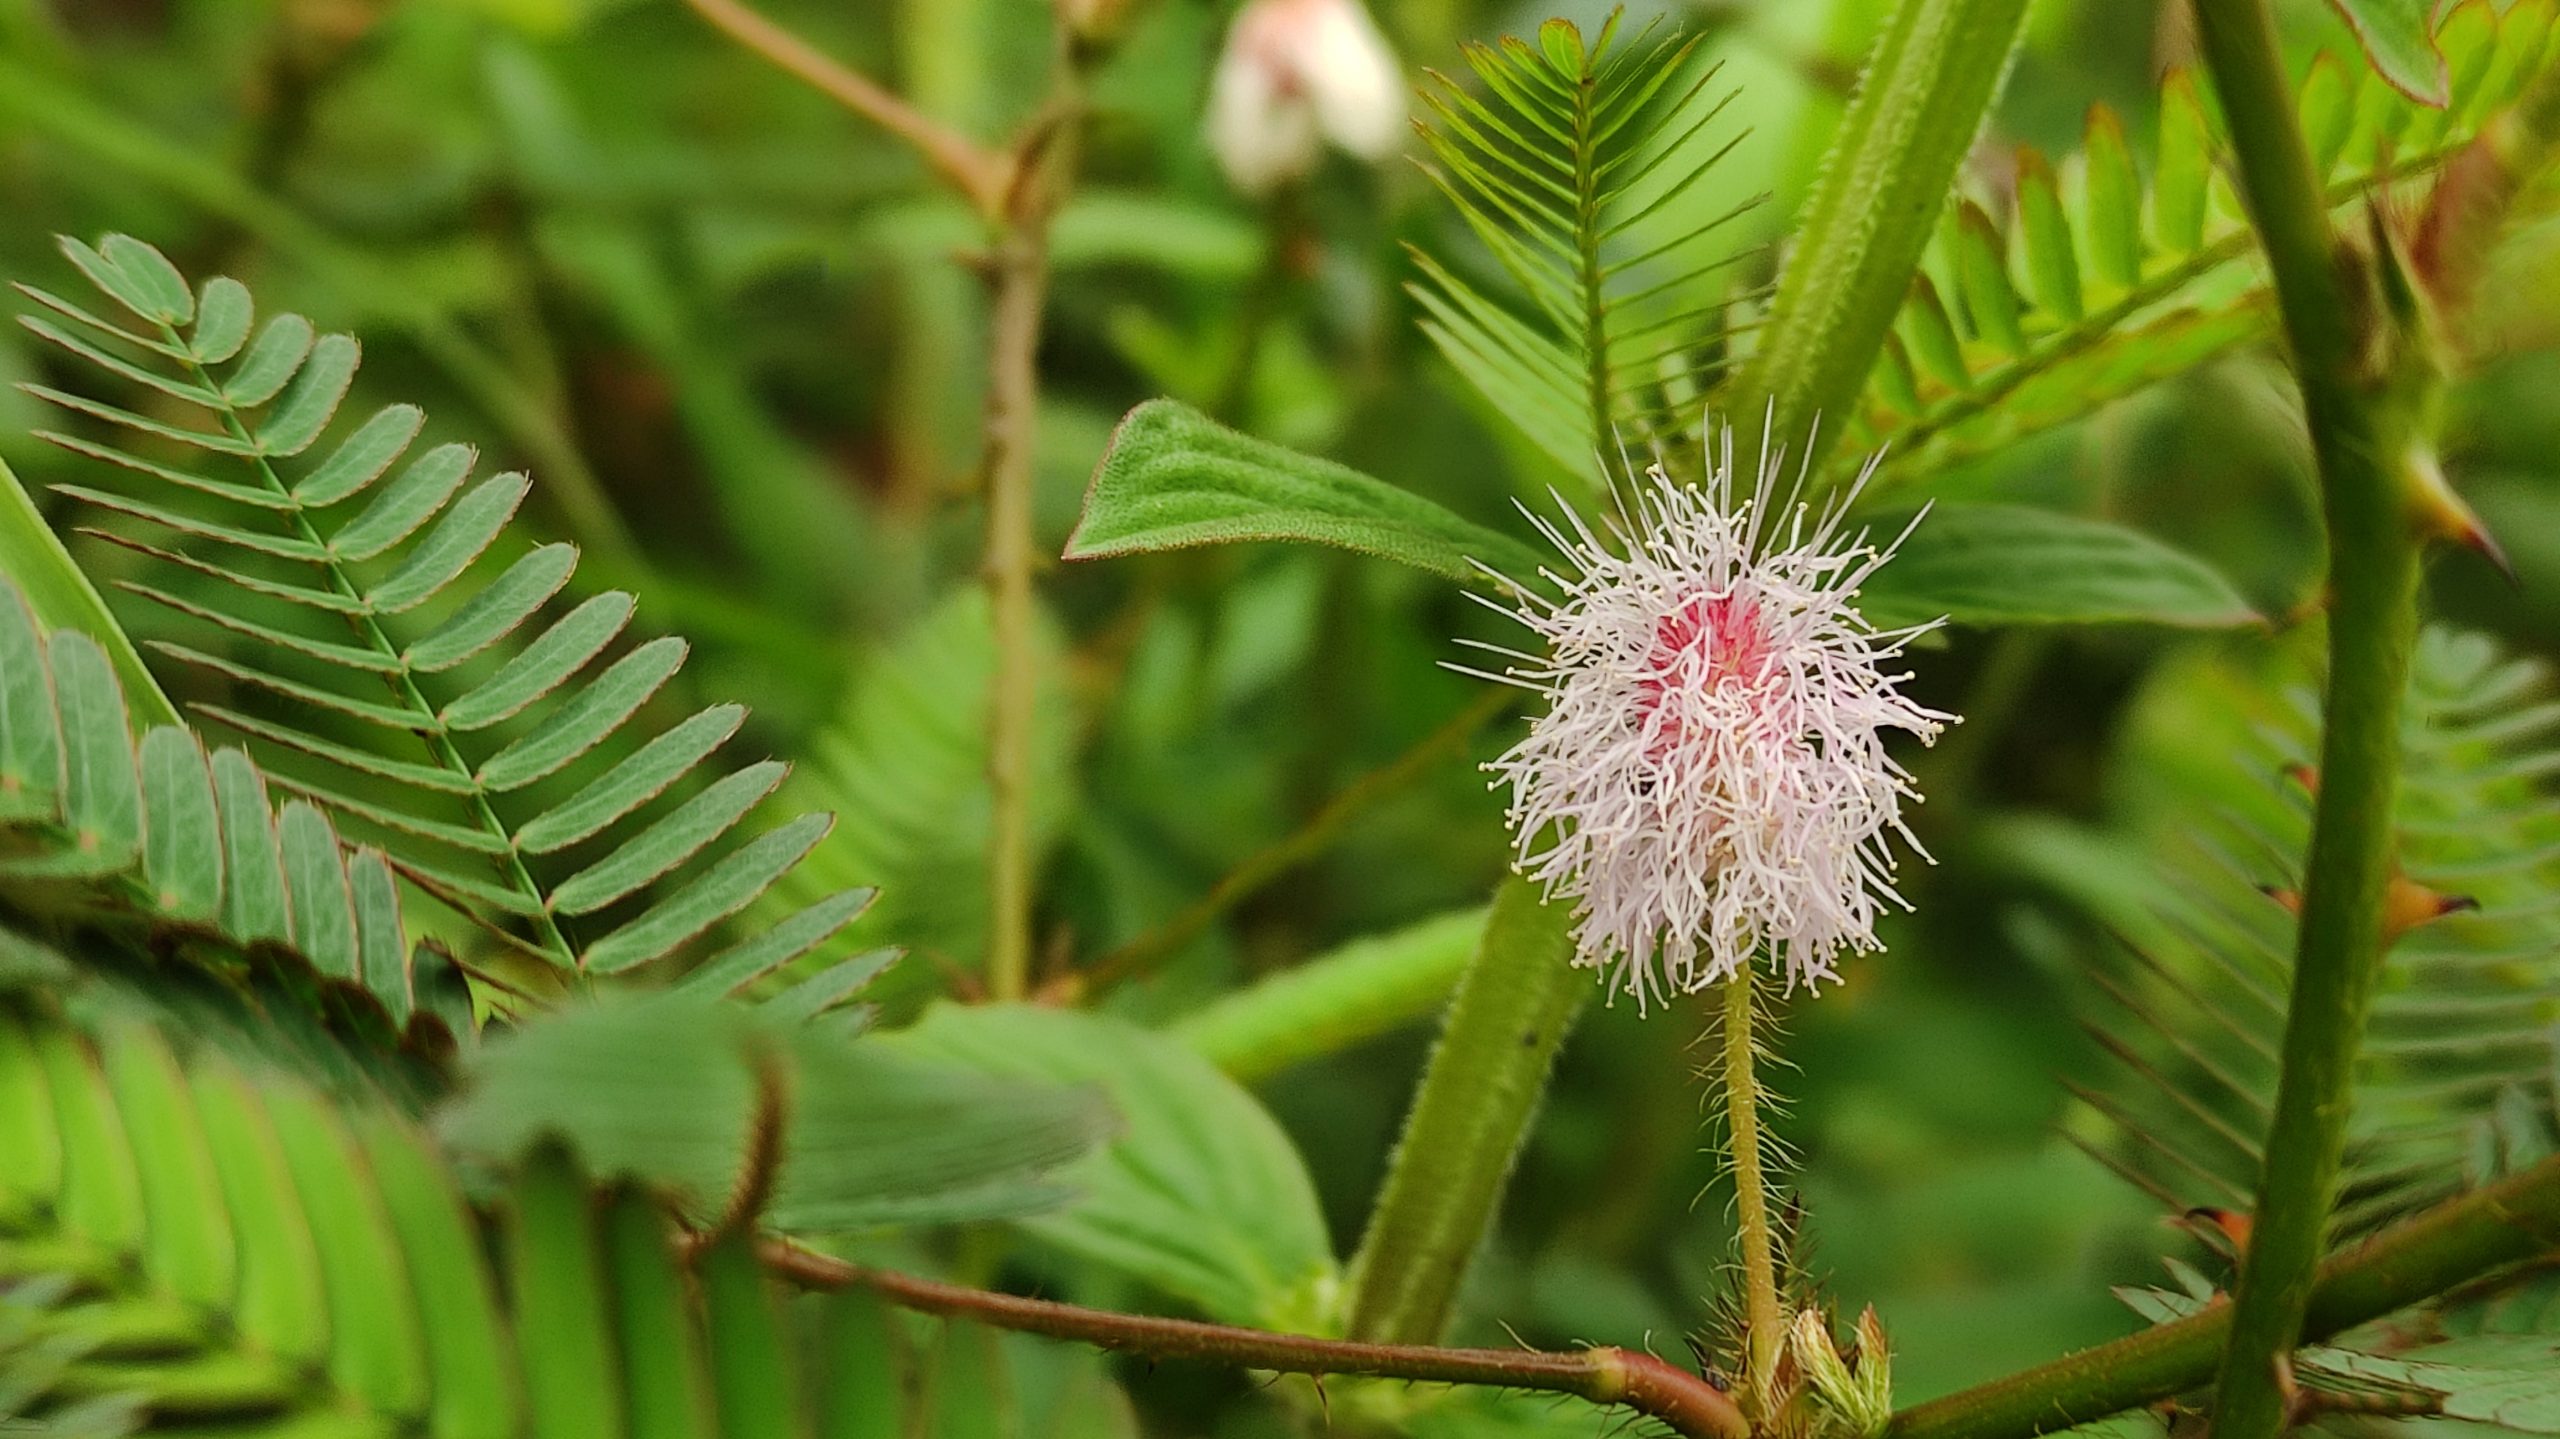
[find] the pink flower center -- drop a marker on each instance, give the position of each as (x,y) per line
(1702,645)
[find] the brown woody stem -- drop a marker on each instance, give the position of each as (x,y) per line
(1689,1405)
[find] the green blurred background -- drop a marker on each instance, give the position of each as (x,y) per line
(734,333)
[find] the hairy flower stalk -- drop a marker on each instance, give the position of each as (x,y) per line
(1710,778)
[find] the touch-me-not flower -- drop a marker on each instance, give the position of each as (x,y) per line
(1710,777)
(1295,74)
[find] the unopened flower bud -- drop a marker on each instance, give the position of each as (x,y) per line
(1857,1402)
(1296,74)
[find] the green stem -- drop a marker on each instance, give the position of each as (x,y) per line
(2462,1240)
(2373,579)
(1764,1323)
(1918,106)
(1513,1007)
(1044,164)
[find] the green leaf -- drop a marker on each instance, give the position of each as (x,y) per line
(254,903)
(271,363)
(182,852)
(670,841)
(2013,564)
(1173,478)
(30,735)
(777,944)
(467,529)
(324,917)
(545,664)
(41,571)
(2398,37)
(362,457)
(101,797)
(587,717)
(666,1090)
(497,611)
(709,897)
(150,274)
(1580,169)
(400,508)
(223,315)
(1202,1196)
(312,400)
(640,777)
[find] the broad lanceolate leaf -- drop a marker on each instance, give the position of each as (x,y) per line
(1978,564)
(1202,1195)
(1173,477)
(668,1091)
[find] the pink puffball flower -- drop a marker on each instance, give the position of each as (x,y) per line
(1294,75)
(1710,777)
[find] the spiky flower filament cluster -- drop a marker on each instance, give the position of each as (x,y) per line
(1711,778)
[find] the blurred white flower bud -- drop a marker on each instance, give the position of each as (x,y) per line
(1295,74)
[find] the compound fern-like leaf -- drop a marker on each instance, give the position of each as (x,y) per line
(1576,171)
(2090,281)
(344,584)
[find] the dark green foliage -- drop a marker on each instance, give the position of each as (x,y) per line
(2456,1083)
(189,1241)
(183,851)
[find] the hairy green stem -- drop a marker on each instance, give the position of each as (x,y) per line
(1327,1005)
(1513,1007)
(1690,1406)
(1764,1323)
(2451,1245)
(2373,580)
(1887,175)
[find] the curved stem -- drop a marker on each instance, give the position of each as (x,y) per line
(2457,1242)
(1764,1323)
(1513,1008)
(1689,1405)
(2373,583)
